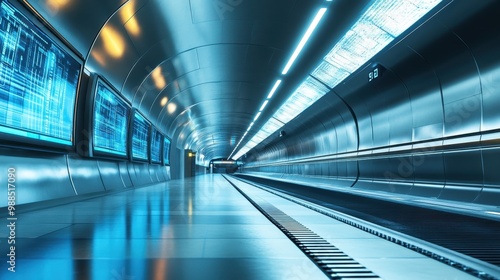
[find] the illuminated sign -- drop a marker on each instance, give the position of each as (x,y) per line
(375,73)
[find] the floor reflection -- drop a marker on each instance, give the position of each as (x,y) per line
(199,228)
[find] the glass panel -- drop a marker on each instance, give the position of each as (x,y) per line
(330,74)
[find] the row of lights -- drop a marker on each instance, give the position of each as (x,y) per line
(287,67)
(381,23)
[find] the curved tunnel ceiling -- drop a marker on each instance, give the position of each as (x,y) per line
(199,70)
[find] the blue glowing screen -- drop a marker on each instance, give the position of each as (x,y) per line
(111,115)
(140,137)
(38,81)
(156,139)
(166,151)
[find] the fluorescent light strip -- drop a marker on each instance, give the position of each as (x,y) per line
(271,93)
(264,105)
(304,40)
(257,116)
(382,22)
(275,87)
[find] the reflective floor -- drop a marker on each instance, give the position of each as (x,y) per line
(199,228)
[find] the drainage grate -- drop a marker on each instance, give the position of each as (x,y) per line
(332,261)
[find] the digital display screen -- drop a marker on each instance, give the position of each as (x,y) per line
(140,137)
(156,139)
(166,151)
(38,81)
(111,115)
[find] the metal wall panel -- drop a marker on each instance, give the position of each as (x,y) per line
(38,176)
(464,175)
(365,124)
(141,175)
(124,174)
(490,193)
(110,175)
(463,116)
(485,53)
(367,169)
(429,168)
(426,190)
(44,176)
(168,175)
(491,97)
(491,159)
(85,175)
(401,123)
(153,172)
(132,173)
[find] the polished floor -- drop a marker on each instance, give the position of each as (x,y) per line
(193,229)
(199,228)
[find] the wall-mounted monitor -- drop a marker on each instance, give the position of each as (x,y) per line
(110,121)
(38,82)
(166,151)
(156,145)
(140,128)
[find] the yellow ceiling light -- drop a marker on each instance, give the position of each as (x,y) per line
(113,42)
(128,19)
(99,57)
(158,78)
(171,108)
(164,101)
(55,5)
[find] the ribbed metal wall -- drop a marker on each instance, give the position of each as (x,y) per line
(42,176)
(430,126)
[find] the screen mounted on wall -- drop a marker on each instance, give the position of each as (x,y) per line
(156,141)
(38,82)
(166,151)
(110,121)
(140,137)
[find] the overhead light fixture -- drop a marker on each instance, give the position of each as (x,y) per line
(303,97)
(264,105)
(164,101)
(304,40)
(113,42)
(376,28)
(273,90)
(257,116)
(269,96)
(292,59)
(382,22)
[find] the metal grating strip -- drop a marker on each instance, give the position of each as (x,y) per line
(328,258)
